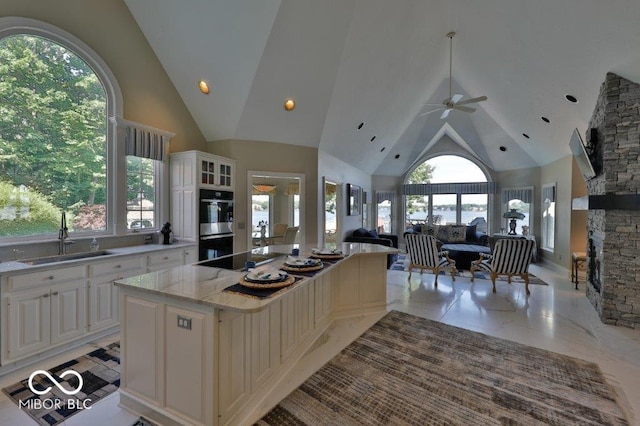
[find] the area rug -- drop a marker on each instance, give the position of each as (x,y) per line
(401,264)
(414,371)
(100,372)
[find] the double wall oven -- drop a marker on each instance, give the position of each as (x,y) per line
(216,223)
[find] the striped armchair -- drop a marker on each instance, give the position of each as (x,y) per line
(423,253)
(510,257)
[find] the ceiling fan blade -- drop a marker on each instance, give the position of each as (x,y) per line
(455,98)
(463,108)
(473,100)
(445,113)
(429,112)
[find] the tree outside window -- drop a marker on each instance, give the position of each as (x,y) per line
(52,139)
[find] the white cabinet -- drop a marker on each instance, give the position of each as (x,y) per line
(68,311)
(53,305)
(103,295)
(29,313)
(43,317)
(165,259)
(191,171)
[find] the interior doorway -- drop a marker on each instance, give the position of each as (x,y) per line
(276,202)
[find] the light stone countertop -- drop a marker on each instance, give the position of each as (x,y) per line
(114,253)
(204,285)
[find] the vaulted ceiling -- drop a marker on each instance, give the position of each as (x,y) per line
(346,62)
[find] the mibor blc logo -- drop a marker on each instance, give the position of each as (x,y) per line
(55,382)
(55,403)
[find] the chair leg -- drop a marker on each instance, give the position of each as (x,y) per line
(410,269)
(453,272)
(525,277)
(493,280)
(436,272)
(472,270)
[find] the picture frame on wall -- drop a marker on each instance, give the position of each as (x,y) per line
(354,205)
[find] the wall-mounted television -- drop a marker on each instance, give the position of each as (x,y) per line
(581,155)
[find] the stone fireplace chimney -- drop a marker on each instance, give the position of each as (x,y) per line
(613,263)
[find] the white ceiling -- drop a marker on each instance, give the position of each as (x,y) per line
(379,61)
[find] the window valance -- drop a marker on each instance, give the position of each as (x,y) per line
(523,194)
(385,196)
(449,188)
(144,141)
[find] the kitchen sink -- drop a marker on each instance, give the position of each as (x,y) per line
(64,257)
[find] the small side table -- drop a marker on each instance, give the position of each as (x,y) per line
(578,259)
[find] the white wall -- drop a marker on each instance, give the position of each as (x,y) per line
(338,171)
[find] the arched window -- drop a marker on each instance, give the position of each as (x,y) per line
(57,147)
(447,189)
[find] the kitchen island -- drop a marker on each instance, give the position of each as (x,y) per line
(194,352)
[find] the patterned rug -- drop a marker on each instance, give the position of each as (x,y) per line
(100,372)
(410,370)
(401,264)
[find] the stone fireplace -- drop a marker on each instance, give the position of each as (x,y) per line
(613,255)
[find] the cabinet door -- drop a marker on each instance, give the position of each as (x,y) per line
(28,322)
(225,177)
(103,305)
(68,311)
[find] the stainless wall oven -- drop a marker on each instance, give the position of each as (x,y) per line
(216,223)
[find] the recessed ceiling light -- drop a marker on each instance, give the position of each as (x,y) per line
(503,148)
(289,104)
(203,86)
(525,135)
(545,119)
(360,125)
(397,156)
(571,99)
(383,148)
(373,138)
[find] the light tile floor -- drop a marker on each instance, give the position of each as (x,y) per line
(555,317)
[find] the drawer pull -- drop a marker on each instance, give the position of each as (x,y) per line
(118,266)
(165,258)
(50,277)
(45,295)
(55,293)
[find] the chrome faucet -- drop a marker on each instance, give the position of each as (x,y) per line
(63,235)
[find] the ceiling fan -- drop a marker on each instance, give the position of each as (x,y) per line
(454,101)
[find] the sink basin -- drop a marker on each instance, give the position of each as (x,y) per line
(64,257)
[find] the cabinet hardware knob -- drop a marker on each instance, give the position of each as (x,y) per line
(55,293)
(45,295)
(118,266)
(50,277)
(166,258)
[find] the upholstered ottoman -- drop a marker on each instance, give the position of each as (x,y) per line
(464,254)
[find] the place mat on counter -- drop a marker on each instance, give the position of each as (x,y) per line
(258,293)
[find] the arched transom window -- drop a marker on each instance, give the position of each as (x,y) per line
(447,189)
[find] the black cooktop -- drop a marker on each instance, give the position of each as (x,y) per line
(237,261)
